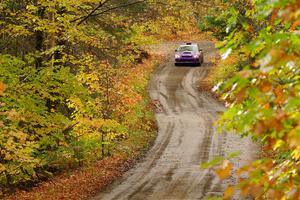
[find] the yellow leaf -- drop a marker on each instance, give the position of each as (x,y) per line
(296,153)
(2,88)
(244,191)
(2,168)
(256,190)
(241,170)
(266,86)
(228,192)
(225,170)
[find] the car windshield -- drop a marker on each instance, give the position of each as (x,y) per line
(187,48)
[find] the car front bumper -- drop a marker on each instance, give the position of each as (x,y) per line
(187,61)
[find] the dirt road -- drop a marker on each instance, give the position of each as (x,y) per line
(187,137)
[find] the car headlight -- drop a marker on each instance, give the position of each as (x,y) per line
(196,56)
(177,56)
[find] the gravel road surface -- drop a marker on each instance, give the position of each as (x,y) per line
(187,137)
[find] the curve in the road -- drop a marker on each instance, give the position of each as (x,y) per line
(186,138)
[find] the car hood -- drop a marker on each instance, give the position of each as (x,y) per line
(187,53)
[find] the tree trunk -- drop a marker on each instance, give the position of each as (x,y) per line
(39,39)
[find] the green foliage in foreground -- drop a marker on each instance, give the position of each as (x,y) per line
(263,98)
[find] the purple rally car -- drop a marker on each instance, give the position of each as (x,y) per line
(188,53)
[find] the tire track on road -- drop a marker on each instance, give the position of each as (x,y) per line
(186,138)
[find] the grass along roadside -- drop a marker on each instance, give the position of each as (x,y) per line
(84,182)
(220,71)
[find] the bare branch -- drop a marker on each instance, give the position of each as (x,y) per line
(117,7)
(93,12)
(83,18)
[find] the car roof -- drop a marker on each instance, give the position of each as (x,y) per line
(189,44)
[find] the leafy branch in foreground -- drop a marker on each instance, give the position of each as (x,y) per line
(263,97)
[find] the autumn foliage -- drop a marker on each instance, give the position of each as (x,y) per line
(263,96)
(70,86)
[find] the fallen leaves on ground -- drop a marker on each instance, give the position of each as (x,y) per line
(79,184)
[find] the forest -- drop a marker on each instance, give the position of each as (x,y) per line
(73,87)
(70,88)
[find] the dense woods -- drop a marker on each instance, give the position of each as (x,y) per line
(70,89)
